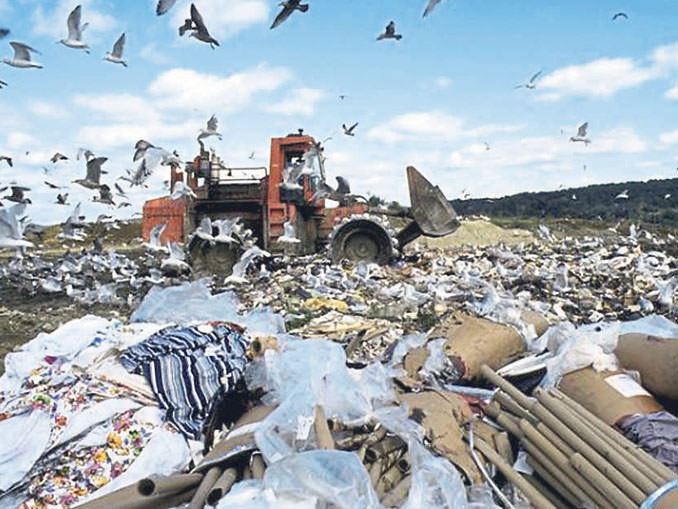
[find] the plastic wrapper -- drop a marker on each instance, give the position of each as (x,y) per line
(435,481)
(657,433)
(252,494)
(337,477)
(480,497)
(189,302)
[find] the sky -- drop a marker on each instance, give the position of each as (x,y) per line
(432,100)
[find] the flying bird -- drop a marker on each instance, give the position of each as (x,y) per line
(115,56)
(164,6)
(22,56)
(342,96)
(212,126)
(91,180)
(667,196)
(390,33)
(74,39)
(62,199)
(4,32)
(3,84)
(120,191)
(288,7)
(343,187)
(58,157)
(487,145)
(620,15)
(181,190)
(348,131)
(52,186)
(429,8)
(581,134)
(531,84)
(105,195)
(623,195)
(12,228)
(251,155)
(197,27)
(7,159)
(17,195)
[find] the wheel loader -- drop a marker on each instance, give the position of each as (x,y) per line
(291,191)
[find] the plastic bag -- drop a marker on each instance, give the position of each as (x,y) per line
(337,477)
(251,494)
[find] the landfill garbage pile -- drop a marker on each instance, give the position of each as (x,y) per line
(537,376)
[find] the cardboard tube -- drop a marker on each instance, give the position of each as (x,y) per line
(538,500)
(257,466)
(388,481)
(384,447)
(222,486)
(375,472)
(322,431)
(505,386)
(165,485)
(352,442)
(604,485)
(553,483)
(503,446)
(548,492)
(246,472)
(638,478)
(398,494)
(130,498)
(403,464)
(652,464)
(511,406)
(211,476)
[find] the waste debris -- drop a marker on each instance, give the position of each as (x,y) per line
(533,375)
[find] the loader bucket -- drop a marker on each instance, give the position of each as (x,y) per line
(431,211)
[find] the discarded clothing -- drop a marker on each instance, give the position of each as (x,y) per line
(657,433)
(186,366)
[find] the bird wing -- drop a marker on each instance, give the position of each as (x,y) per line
(164,6)
(581,131)
(350,129)
(212,123)
(94,168)
(535,77)
(73,22)
(22,51)
(75,215)
(197,19)
(282,16)
(119,46)
(431,5)
(390,28)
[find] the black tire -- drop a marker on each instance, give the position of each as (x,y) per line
(215,259)
(361,240)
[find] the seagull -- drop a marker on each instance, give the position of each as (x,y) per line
(211,130)
(348,131)
(175,264)
(581,134)
(62,199)
(181,190)
(487,145)
(7,159)
(431,5)
(58,157)
(22,56)
(120,191)
(289,236)
(52,186)
(105,195)
(12,228)
(288,7)
(531,84)
(74,39)
(17,195)
(3,84)
(124,204)
(115,56)
(342,96)
(251,155)
(154,243)
(91,180)
(574,196)
(623,196)
(4,32)
(620,15)
(667,196)
(141,147)
(70,228)
(390,33)
(164,6)
(198,28)
(343,187)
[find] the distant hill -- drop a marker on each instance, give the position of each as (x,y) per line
(646,202)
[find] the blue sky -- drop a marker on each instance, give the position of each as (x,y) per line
(431,100)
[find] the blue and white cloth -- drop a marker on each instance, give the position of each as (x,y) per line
(185,367)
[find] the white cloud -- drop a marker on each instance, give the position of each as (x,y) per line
(672,93)
(669,138)
(105,137)
(118,107)
(600,78)
(431,125)
(46,109)
(443,82)
(20,140)
(223,18)
(188,89)
(300,101)
(665,57)
(152,54)
(53,22)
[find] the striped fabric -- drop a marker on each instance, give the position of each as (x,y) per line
(185,367)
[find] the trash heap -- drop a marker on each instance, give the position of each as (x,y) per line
(537,376)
